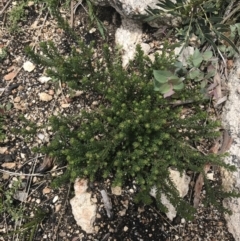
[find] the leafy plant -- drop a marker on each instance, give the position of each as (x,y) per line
(29,129)
(94,19)
(202,18)
(233,34)
(134,133)
(17,14)
(7,199)
(166,82)
(3,54)
(169,81)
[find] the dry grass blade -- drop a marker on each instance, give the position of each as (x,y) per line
(198,187)
(20,174)
(5,7)
(227,142)
(107,203)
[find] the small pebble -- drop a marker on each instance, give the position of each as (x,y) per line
(51,92)
(183,220)
(125,229)
(17,99)
(58,207)
(55,199)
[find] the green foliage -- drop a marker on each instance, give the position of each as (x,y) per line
(134,133)
(16,212)
(169,81)
(16,15)
(3,54)
(194,63)
(94,19)
(200,68)
(202,18)
(6,201)
(28,129)
(226,49)
(165,82)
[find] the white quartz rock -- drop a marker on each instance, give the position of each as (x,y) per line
(127,37)
(133,9)
(182,185)
(231,122)
(83,209)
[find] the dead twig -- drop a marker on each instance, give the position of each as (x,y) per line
(20,174)
(5,7)
(72,14)
(60,219)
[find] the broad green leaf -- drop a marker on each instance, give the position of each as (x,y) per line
(204,84)
(169,93)
(178,64)
(178,87)
(207,55)
(197,61)
(165,88)
(222,48)
(210,74)
(175,80)
(199,77)
(157,86)
(162,76)
(194,73)
(197,58)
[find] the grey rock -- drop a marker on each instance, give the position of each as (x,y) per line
(231,122)
(133,9)
(83,209)
(181,182)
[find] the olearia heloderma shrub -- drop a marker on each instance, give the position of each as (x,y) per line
(134,133)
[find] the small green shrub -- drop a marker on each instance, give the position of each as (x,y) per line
(134,133)
(7,199)
(3,54)
(17,14)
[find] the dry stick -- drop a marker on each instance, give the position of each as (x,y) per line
(164,218)
(20,174)
(5,7)
(235,10)
(60,86)
(65,203)
(77,5)
(72,13)
(11,81)
(29,181)
(41,27)
(229,8)
(5,222)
